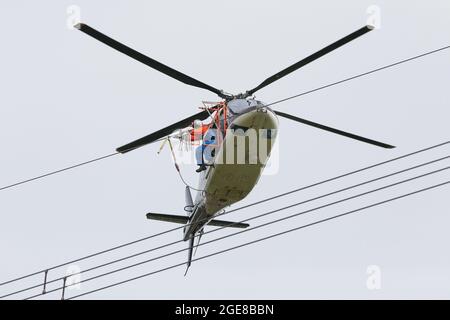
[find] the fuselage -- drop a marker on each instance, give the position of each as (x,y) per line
(236,161)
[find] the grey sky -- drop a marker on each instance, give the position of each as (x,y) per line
(67,98)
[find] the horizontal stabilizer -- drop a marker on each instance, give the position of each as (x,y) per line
(168,218)
(221,223)
(184,220)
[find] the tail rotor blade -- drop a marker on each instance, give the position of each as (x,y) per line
(333,130)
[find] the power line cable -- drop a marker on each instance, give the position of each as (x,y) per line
(220,228)
(234,210)
(360,75)
(263,239)
(248,230)
(59,171)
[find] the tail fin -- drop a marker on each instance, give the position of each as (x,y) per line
(190,251)
(200,234)
(168,218)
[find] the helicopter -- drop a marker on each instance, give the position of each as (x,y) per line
(236,116)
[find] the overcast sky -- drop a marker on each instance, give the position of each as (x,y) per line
(66,98)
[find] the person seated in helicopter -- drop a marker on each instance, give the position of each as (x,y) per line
(198,130)
(204,151)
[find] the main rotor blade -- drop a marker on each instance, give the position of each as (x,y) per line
(311,58)
(146,60)
(337,131)
(162,132)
